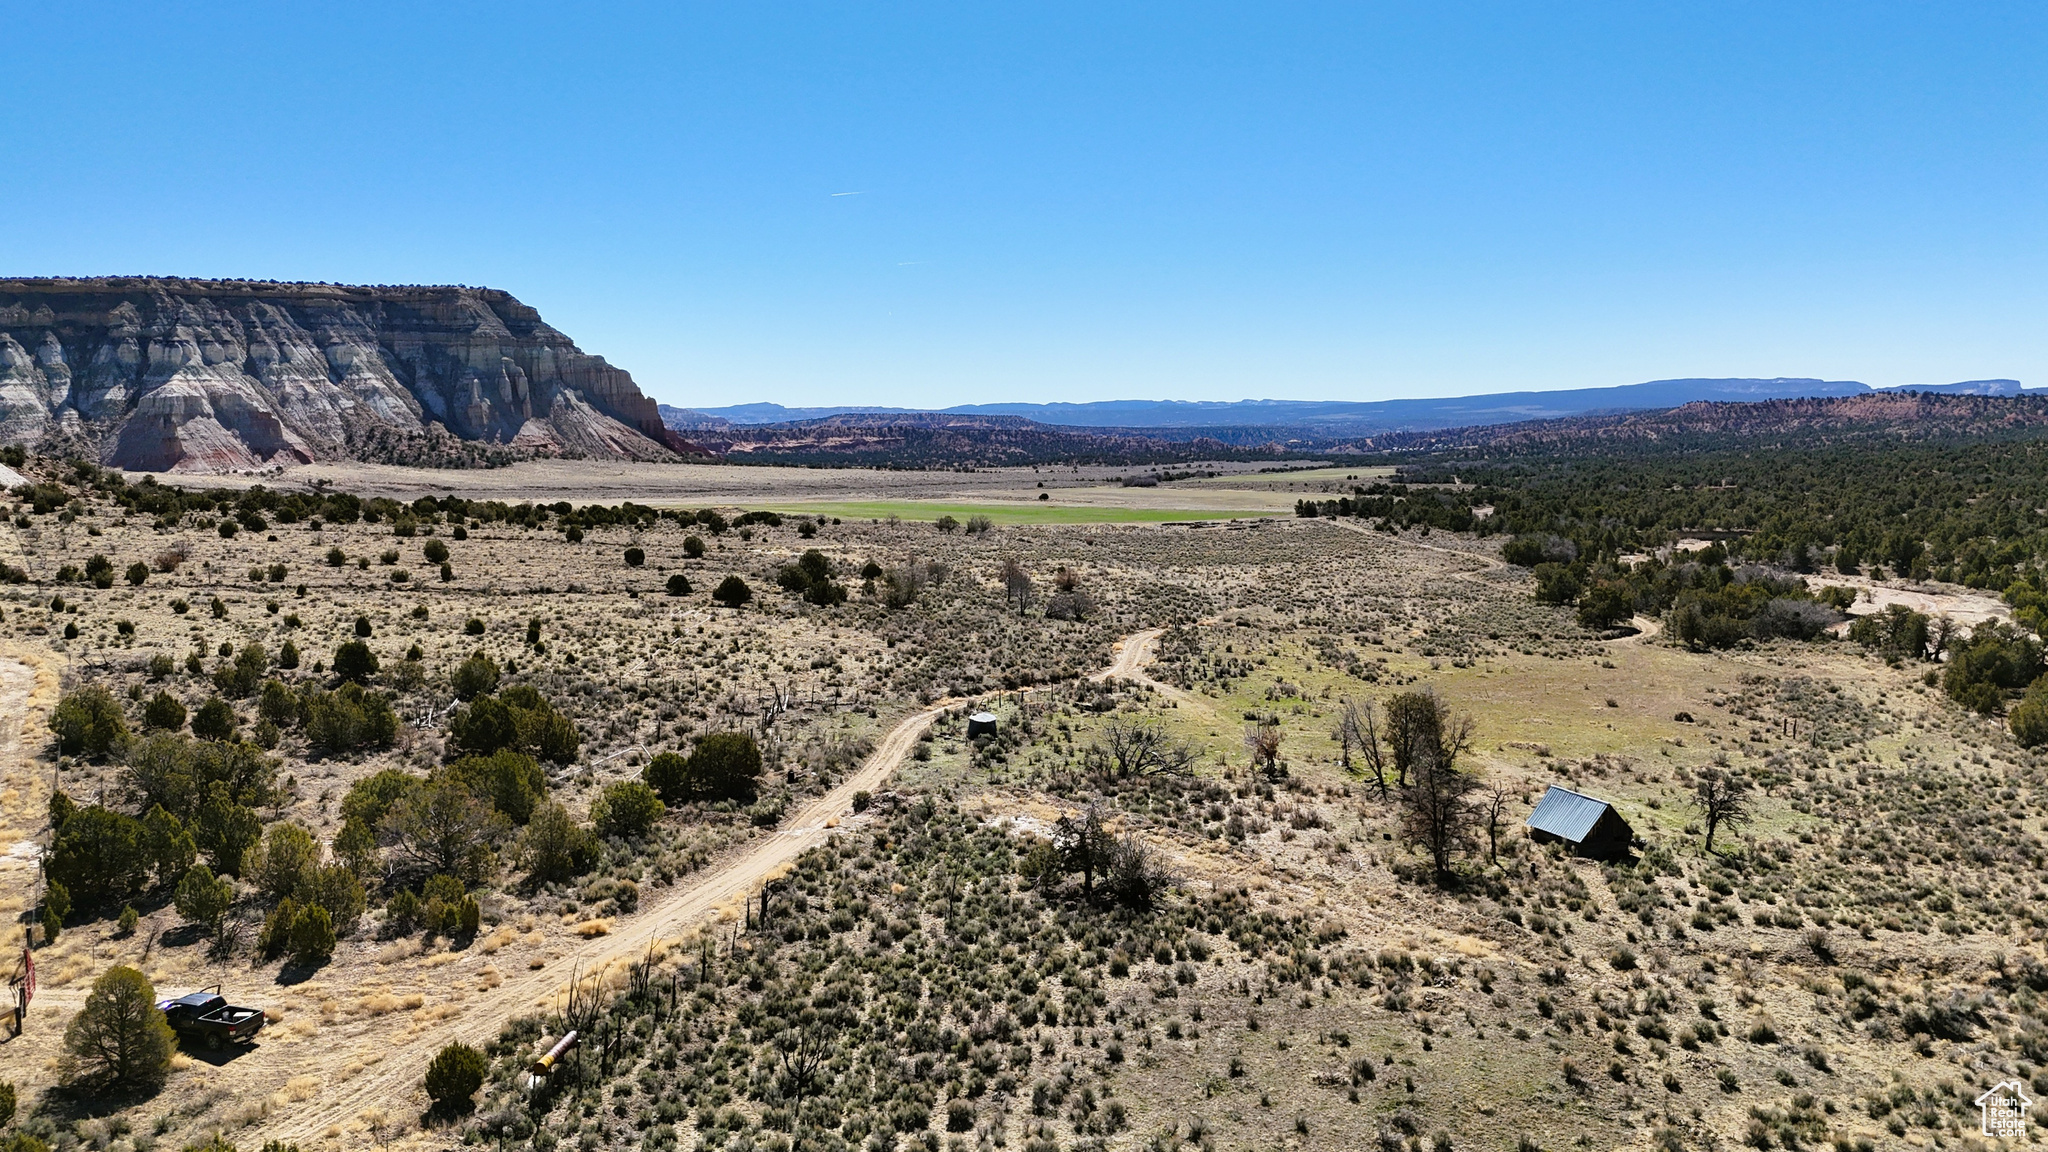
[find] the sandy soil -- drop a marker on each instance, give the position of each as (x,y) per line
(1965,606)
(715,897)
(692,485)
(1304,612)
(1133,652)
(669,921)
(301,1093)
(28,689)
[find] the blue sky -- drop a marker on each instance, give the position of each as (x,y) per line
(1083,201)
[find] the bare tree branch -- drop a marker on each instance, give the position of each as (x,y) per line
(1438,813)
(1722,798)
(1262,740)
(1142,748)
(1017,586)
(1494,806)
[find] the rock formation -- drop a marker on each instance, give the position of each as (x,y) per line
(220,375)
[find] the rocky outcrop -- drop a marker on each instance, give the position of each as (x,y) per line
(220,375)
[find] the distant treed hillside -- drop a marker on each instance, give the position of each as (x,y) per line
(1260,429)
(1953,487)
(1883,415)
(931,440)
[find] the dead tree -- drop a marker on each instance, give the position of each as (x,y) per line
(776,702)
(1142,748)
(1085,845)
(1262,740)
(1494,808)
(803,1051)
(1346,731)
(1017,586)
(1438,815)
(1721,798)
(1136,877)
(580,1008)
(1359,727)
(1437,810)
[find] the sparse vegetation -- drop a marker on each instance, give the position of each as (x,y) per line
(1265,883)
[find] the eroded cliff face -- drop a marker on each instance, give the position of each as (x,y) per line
(219,375)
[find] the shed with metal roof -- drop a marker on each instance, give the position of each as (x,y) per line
(1591,826)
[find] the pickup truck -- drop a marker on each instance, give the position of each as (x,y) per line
(207,1017)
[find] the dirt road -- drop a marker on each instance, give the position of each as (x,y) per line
(1133,652)
(393,1082)
(396,1077)
(22,808)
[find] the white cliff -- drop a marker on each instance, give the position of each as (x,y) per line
(213,375)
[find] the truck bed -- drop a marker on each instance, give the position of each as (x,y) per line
(230,1018)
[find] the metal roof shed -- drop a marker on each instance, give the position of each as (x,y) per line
(1591,826)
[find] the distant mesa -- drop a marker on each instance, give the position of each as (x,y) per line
(168,374)
(1967,388)
(1178,419)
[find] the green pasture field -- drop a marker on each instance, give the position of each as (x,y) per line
(1038,513)
(1356,473)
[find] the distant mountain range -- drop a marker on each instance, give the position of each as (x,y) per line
(1326,418)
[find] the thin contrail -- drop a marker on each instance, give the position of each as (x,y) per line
(849,193)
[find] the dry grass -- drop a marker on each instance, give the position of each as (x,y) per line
(380,1003)
(503,935)
(435,1013)
(1297,616)
(702,485)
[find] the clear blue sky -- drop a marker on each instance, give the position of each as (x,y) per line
(1083,201)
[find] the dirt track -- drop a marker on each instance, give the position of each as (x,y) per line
(1133,652)
(347,1090)
(21,812)
(394,1081)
